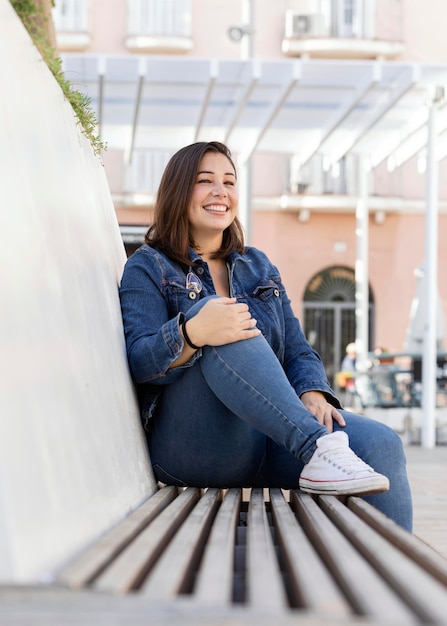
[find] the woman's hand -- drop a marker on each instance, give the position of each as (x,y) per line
(316,403)
(221,321)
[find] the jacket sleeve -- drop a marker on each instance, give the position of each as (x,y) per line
(153,341)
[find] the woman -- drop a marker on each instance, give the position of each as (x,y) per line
(231,392)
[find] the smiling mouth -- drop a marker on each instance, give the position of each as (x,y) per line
(216,208)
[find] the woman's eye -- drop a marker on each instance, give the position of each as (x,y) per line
(207,181)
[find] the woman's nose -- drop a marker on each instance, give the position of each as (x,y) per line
(219,189)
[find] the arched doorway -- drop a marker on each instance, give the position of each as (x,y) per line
(329,315)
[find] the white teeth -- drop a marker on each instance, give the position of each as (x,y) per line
(216,207)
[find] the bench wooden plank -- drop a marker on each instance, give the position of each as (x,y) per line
(426,595)
(415,548)
(90,564)
(311,586)
(133,564)
(332,560)
(368,594)
(265,588)
(214,584)
(173,573)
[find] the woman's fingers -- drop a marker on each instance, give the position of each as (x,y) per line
(223,320)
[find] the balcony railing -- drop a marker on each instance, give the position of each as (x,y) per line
(354,28)
(72,25)
(144,173)
(152,25)
(159,25)
(70,16)
(156,18)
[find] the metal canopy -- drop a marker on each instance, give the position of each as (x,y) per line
(296,107)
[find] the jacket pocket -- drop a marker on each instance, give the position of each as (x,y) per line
(266,307)
(179,298)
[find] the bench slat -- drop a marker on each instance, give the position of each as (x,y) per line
(129,569)
(215,578)
(311,585)
(412,583)
(89,565)
(367,592)
(264,582)
(415,548)
(173,573)
(331,559)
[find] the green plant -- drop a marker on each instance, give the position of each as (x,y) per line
(36,22)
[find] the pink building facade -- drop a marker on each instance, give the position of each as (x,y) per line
(303,217)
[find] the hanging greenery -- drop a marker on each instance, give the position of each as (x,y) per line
(39,26)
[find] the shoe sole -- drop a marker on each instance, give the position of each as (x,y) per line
(343,489)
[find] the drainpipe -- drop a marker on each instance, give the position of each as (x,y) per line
(247,21)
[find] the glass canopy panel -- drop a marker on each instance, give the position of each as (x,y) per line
(285,106)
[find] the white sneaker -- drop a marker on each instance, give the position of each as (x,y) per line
(336,470)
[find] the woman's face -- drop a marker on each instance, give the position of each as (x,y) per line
(214,198)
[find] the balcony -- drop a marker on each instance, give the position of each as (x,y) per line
(71,22)
(159,26)
(345,29)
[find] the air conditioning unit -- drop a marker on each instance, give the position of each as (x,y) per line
(300,25)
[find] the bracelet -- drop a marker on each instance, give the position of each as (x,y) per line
(187,339)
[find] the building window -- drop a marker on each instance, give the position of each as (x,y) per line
(71,22)
(314,178)
(157,18)
(349,19)
(71,16)
(144,173)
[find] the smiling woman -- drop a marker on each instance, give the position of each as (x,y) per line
(231,393)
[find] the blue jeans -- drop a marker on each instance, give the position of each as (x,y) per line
(233,419)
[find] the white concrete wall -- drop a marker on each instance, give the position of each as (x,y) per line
(73,459)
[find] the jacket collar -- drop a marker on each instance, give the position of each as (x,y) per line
(232,259)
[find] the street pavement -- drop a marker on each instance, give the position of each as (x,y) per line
(427,472)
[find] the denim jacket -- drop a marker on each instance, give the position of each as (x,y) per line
(155,301)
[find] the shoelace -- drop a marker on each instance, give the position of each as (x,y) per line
(347,461)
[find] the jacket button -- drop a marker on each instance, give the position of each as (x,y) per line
(200,271)
(276,292)
(192,295)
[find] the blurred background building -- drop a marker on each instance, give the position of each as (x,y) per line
(326,106)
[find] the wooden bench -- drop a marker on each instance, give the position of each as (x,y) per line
(227,554)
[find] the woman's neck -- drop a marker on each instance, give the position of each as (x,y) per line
(207,248)
(206,256)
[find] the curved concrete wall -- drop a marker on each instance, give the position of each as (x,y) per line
(73,459)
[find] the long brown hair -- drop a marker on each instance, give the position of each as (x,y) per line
(169,231)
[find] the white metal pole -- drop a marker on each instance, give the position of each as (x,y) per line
(428,438)
(361,266)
